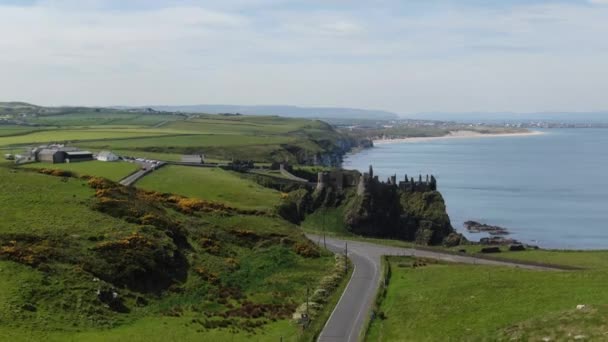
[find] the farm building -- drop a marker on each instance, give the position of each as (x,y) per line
(77,156)
(50,155)
(107,156)
(62,155)
(193,158)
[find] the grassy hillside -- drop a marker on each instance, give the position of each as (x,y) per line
(89,260)
(212,184)
(482,303)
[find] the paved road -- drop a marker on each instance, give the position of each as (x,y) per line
(145,169)
(346,322)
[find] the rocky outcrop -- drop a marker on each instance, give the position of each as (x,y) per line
(406,210)
(384,210)
(476,227)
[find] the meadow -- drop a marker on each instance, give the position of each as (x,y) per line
(53,229)
(63,136)
(33,203)
(454,302)
(114,171)
(167,136)
(212,184)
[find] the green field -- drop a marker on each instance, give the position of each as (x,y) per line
(196,140)
(61,136)
(167,136)
(38,204)
(211,184)
(53,226)
(452,302)
(111,170)
(9,130)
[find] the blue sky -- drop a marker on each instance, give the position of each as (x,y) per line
(404,56)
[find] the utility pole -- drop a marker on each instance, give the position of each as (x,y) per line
(324,213)
(345,257)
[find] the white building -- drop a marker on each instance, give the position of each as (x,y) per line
(193,159)
(107,156)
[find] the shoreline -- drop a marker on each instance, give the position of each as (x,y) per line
(455,135)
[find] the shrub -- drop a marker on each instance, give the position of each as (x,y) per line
(306,249)
(139,262)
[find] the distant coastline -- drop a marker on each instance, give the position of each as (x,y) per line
(455,135)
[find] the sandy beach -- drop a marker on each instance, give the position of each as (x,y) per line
(456,135)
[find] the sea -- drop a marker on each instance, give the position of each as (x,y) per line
(549,190)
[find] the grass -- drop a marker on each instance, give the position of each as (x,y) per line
(199,140)
(328,220)
(39,204)
(9,130)
(453,302)
(111,170)
(211,184)
(52,136)
(179,266)
(161,329)
(593,259)
(60,210)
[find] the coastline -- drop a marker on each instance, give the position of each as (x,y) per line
(455,135)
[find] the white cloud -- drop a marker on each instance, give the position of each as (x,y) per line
(519,58)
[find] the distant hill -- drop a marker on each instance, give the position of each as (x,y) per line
(289,111)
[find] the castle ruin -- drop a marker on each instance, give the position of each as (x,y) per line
(340,179)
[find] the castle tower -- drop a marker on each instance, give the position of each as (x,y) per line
(322,180)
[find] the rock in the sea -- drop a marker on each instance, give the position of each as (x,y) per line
(476,227)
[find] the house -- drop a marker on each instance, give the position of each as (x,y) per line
(193,159)
(107,156)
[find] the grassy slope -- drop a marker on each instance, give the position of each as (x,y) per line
(328,220)
(476,303)
(45,206)
(39,204)
(111,170)
(211,184)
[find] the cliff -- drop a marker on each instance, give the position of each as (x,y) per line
(408,210)
(384,210)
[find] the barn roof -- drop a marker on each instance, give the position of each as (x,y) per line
(79,153)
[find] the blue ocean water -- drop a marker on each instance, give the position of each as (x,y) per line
(550,189)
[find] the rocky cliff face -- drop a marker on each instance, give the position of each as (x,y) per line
(378,209)
(384,210)
(332,151)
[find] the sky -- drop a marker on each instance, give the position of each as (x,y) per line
(408,57)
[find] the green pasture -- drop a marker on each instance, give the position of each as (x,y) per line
(212,184)
(33,203)
(454,302)
(62,136)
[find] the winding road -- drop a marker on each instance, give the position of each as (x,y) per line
(348,318)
